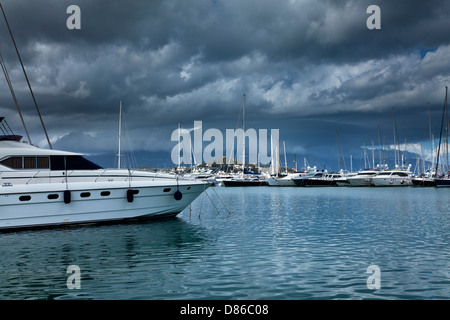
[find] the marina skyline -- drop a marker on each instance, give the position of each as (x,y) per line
(307,68)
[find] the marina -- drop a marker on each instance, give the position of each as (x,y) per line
(182,202)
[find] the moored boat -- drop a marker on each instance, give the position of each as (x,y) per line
(42,187)
(363,178)
(393,178)
(282,180)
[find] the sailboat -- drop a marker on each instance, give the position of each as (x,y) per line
(244,179)
(46,187)
(443,180)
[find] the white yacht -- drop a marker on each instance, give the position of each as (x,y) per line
(282,180)
(362,179)
(393,178)
(44,187)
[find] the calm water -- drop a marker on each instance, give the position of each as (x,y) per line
(275,243)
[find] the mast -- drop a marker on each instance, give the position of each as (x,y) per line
(8,80)
(365,156)
(373,155)
(285,161)
(379,145)
(396,144)
(120,134)
(26,77)
(351,163)
(179,146)
(440,136)
(447,133)
(243,135)
(431,136)
(338,153)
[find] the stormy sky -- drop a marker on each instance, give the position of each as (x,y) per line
(308,68)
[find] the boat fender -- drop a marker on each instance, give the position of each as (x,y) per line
(67,196)
(402,182)
(130,195)
(178,195)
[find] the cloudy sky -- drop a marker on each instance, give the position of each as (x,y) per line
(308,68)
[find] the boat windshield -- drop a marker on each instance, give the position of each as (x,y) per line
(72,163)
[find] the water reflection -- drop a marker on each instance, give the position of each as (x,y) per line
(34,263)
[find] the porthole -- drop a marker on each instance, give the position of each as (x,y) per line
(53,196)
(135,191)
(166,190)
(85,194)
(189,188)
(105,193)
(25,198)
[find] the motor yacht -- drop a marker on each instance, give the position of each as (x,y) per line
(393,178)
(46,187)
(363,178)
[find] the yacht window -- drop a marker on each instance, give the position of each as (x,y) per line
(53,196)
(29,162)
(402,174)
(105,193)
(26,162)
(42,162)
(166,190)
(72,163)
(13,162)
(85,194)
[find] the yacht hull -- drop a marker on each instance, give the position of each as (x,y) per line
(28,206)
(274,182)
(360,182)
(424,182)
(442,183)
(391,182)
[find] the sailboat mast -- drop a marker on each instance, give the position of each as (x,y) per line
(431,136)
(338,152)
(396,143)
(120,134)
(379,145)
(243,135)
(179,146)
(440,136)
(26,78)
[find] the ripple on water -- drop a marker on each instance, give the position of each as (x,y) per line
(276,243)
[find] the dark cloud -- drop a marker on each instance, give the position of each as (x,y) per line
(307,67)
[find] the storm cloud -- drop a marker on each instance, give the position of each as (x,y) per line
(306,67)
